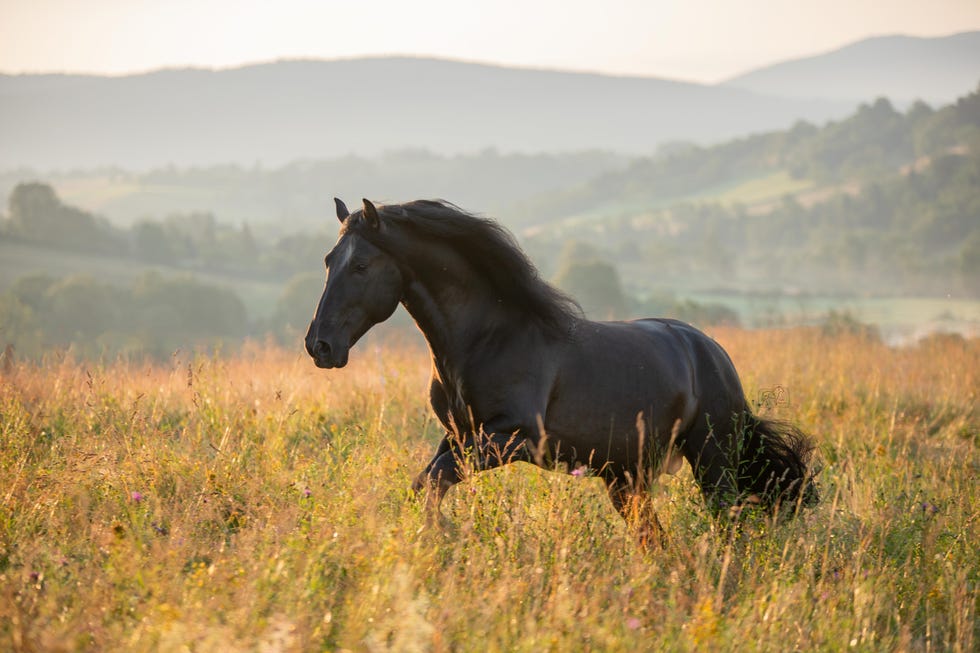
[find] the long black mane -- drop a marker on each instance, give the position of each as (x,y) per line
(490,248)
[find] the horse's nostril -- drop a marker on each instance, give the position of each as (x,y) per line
(321,349)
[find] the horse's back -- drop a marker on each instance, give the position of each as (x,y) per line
(713,370)
(621,353)
(707,355)
(670,345)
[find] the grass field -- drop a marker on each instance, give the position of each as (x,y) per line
(258,504)
(763,189)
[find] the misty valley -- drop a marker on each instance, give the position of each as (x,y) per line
(873,218)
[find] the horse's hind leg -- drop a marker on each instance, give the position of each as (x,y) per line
(634,504)
(706,447)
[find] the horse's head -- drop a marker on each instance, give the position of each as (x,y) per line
(363,288)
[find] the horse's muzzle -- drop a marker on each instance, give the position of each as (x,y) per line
(327,357)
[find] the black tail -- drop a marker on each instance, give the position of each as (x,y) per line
(773,464)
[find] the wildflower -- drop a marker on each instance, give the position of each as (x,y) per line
(633,623)
(136,496)
(578,472)
(307,492)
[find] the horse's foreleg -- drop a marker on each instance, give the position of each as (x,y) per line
(495,449)
(439,475)
(422,479)
(451,461)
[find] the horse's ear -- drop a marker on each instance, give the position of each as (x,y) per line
(371,214)
(342,211)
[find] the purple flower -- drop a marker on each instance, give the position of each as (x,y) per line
(578,472)
(633,623)
(136,496)
(307,492)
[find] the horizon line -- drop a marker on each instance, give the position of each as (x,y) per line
(190,67)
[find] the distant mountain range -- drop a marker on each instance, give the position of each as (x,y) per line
(283,111)
(901,68)
(279,112)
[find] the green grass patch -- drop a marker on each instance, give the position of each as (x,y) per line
(767,188)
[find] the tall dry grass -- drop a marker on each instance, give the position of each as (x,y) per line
(258,504)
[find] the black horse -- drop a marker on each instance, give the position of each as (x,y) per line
(518,374)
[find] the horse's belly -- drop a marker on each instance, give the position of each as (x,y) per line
(605,431)
(623,399)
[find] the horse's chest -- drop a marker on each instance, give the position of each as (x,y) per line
(449,402)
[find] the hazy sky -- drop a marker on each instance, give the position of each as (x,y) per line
(697,40)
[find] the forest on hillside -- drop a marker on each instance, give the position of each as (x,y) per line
(881,203)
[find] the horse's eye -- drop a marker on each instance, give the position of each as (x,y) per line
(360,267)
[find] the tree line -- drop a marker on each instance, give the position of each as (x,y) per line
(168,309)
(154,316)
(194,241)
(876,142)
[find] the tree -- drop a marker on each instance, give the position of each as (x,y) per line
(19,326)
(31,289)
(78,309)
(596,286)
(194,311)
(33,209)
(38,216)
(153,243)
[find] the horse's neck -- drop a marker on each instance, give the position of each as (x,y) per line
(452,313)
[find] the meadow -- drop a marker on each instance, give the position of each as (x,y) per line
(254,503)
